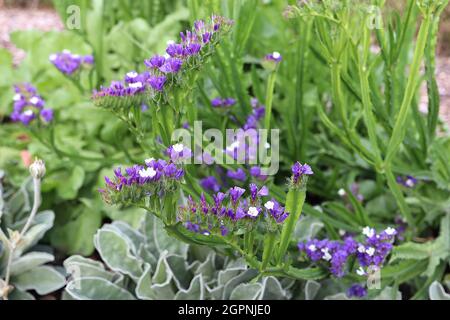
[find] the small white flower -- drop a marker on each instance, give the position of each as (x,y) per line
(28,113)
(341,232)
(276,55)
(361,249)
(132,74)
(149,161)
(326,254)
(342,192)
(17,97)
(66,51)
(369,232)
(360,272)
(75,56)
(253,212)
(178,147)
(147,173)
(409,183)
(269,205)
(370,251)
(34,100)
(53,57)
(312,248)
(390,231)
(136,85)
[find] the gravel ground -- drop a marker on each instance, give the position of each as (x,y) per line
(46,19)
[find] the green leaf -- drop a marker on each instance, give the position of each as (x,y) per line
(42,279)
(69,186)
(92,288)
(79,267)
(246,291)
(116,252)
(30,261)
(437,292)
(194,292)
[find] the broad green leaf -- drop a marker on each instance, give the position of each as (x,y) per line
(246,291)
(30,261)
(42,279)
(92,288)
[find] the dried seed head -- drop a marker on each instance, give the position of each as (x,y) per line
(37,169)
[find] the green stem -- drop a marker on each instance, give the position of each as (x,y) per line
(269,99)
(269,244)
(294,205)
(398,195)
(399,128)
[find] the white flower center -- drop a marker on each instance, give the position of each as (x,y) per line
(66,51)
(17,97)
(252,211)
(132,74)
(28,113)
(341,192)
(34,100)
(149,161)
(370,251)
(390,231)
(276,55)
(269,205)
(147,173)
(360,271)
(361,249)
(312,248)
(136,85)
(369,232)
(53,57)
(409,183)
(326,254)
(178,147)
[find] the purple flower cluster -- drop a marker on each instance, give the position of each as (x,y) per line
(223,102)
(210,183)
(231,211)
(258,111)
(356,290)
(138,181)
(178,152)
(369,253)
(299,171)
(69,63)
(29,105)
(163,70)
(408,181)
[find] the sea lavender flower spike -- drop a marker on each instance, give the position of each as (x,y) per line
(29,105)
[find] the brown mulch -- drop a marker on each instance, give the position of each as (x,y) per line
(46,19)
(12,19)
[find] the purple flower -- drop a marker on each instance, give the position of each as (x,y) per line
(255,171)
(356,290)
(172,65)
(47,114)
(298,170)
(255,192)
(193,49)
(179,152)
(69,63)
(157,82)
(28,105)
(210,183)
(223,102)
(276,211)
(155,62)
(236,193)
(175,50)
(239,174)
(408,181)
(274,56)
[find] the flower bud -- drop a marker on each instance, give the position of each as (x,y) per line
(37,169)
